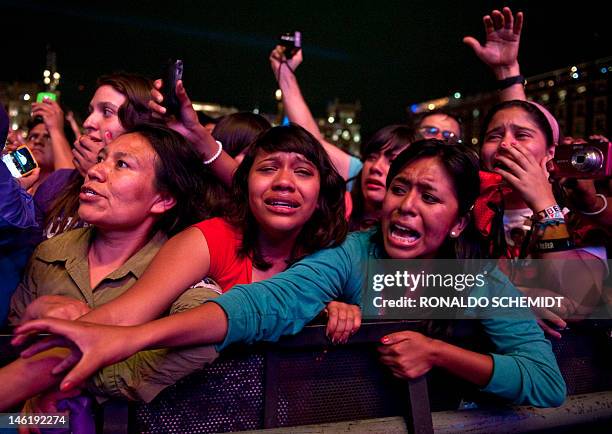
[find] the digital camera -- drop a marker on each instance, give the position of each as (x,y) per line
(292,42)
(587,160)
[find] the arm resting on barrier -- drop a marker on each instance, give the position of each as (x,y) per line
(525,370)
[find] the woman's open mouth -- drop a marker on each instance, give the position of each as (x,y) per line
(403,235)
(88,193)
(282,206)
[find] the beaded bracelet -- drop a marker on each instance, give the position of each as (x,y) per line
(217,154)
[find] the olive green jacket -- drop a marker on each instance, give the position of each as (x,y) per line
(59,266)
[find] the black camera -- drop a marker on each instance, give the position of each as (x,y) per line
(587,160)
(292,43)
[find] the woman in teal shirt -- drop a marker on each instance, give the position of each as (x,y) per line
(426,214)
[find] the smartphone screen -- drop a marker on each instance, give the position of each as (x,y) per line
(20,162)
(40,96)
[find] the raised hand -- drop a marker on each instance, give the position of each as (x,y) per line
(187,123)
(277,58)
(51,113)
(500,51)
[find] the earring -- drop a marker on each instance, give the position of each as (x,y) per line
(453,234)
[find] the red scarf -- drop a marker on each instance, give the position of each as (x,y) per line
(490,200)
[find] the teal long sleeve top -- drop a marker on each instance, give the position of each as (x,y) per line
(525,370)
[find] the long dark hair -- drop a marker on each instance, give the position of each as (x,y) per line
(137,91)
(326,228)
(63,215)
(238,130)
(389,140)
(177,174)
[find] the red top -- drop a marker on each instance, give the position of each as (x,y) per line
(348,203)
(226,267)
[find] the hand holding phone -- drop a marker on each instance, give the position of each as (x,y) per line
(173,73)
(20,162)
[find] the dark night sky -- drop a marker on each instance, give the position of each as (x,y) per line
(387,56)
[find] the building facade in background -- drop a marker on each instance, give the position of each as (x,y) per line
(342,127)
(579,96)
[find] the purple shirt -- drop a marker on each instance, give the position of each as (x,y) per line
(49,190)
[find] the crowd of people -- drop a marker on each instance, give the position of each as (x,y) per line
(147,242)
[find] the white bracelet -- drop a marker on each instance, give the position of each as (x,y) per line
(214,157)
(599,211)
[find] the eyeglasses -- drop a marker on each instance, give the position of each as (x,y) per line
(433,132)
(44,137)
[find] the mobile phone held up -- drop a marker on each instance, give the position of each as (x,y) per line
(41,96)
(20,162)
(172,74)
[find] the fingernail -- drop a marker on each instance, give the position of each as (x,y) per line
(385,340)
(108,135)
(67,385)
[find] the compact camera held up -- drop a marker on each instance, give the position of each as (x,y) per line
(292,42)
(590,160)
